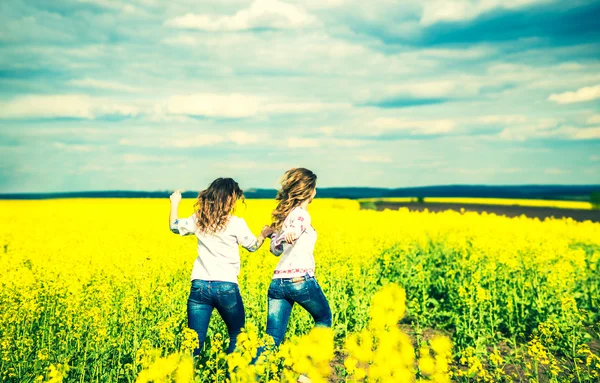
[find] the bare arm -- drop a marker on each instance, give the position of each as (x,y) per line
(175,200)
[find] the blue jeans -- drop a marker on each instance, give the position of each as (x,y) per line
(226,298)
(283,293)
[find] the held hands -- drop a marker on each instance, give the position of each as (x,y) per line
(175,197)
(266,231)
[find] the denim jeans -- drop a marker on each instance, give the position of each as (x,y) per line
(283,293)
(226,298)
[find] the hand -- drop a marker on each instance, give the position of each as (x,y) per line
(290,237)
(266,231)
(175,197)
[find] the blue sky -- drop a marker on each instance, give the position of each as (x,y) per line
(155,95)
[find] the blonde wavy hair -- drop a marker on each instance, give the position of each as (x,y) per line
(216,203)
(297,186)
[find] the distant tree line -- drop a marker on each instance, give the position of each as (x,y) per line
(550,192)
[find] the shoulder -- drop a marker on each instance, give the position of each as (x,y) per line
(188,220)
(235,221)
(299,214)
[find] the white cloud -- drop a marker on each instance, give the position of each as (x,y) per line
(441,88)
(574,66)
(327,130)
(330,140)
(472,52)
(177,141)
(322,4)
(180,140)
(93,168)
(62,106)
(112,4)
(73,147)
(240,106)
(346,143)
(101,84)
(48,106)
(375,159)
(594,119)
(415,127)
(242,138)
(251,165)
(131,158)
(300,142)
(271,14)
(554,171)
(580,95)
(550,128)
(137,158)
(428,165)
(117,109)
(214,105)
(314,51)
(542,128)
(585,134)
(195,141)
(501,119)
(460,10)
(482,171)
(303,107)
(238,165)
(182,39)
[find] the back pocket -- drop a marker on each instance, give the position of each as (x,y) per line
(298,291)
(227,296)
(196,291)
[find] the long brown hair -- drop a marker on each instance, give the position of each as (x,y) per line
(297,186)
(216,203)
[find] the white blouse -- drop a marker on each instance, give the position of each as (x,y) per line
(218,254)
(297,258)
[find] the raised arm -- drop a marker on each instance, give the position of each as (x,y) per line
(175,200)
(181,226)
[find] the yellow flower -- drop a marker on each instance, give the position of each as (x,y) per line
(85,284)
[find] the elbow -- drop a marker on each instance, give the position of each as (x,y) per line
(254,246)
(173,226)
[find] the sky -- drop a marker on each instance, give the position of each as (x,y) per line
(157,95)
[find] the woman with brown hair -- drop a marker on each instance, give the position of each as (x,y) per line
(294,241)
(214,276)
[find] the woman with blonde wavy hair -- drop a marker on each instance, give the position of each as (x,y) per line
(214,275)
(294,241)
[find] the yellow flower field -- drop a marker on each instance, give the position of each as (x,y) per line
(95,291)
(583,205)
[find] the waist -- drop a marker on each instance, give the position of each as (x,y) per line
(300,278)
(215,272)
(211,282)
(289,273)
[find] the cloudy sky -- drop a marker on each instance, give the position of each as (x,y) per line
(154,95)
